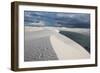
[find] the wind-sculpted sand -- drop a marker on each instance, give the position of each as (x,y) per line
(44,45)
(39,50)
(68,49)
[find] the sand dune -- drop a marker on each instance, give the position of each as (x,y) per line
(84,31)
(69,49)
(46,44)
(39,49)
(31,29)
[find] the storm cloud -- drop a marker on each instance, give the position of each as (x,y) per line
(62,19)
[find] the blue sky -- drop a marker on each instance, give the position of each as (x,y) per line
(81,20)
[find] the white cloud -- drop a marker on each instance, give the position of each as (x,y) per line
(65,15)
(28,14)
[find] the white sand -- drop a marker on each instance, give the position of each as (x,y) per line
(31,29)
(64,47)
(69,50)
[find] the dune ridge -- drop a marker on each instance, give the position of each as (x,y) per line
(47,44)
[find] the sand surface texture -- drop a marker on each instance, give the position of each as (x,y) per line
(43,44)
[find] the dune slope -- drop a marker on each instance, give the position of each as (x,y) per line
(43,45)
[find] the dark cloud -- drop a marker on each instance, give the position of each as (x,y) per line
(58,19)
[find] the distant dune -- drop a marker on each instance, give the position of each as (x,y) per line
(29,29)
(84,31)
(42,44)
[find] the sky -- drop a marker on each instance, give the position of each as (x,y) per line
(56,19)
